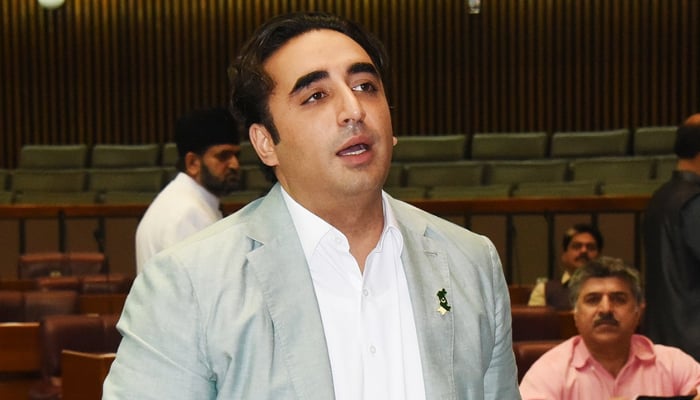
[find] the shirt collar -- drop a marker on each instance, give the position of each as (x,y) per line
(208,196)
(640,348)
(314,228)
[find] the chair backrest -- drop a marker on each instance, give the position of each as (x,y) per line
(527,352)
(450,173)
(253,178)
(70,332)
(53,264)
(39,304)
(28,180)
(83,374)
(112,283)
(664,167)
(34,265)
(470,192)
(613,169)
(58,283)
(11,306)
(101,303)
(509,146)
(4,178)
(50,187)
(72,156)
(395,177)
(651,140)
(430,148)
(126,179)
(125,156)
(20,359)
(556,189)
(169,156)
(590,144)
(515,172)
(534,323)
(248,156)
(520,293)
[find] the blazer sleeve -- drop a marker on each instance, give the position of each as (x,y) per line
(161,354)
(501,380)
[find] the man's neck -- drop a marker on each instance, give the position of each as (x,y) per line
(360,218)
(612,357)
(689,164)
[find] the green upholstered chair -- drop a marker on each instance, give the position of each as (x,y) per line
(509,146)
(651,140)
(630,188)
(454,173)
(72,156)
(470,192)
(126,185)
(406,193)
(430,148)
(248,156)
(254,178)
(50,186)
(665,165)
(613,169)
(125,156)
(516,172)
(590,144)
(168,155)
(556,189)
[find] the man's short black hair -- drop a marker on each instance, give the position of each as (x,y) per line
(582,228)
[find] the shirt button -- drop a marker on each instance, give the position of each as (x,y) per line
(365,292)
(372,349)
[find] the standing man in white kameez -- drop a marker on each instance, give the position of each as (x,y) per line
(208,146)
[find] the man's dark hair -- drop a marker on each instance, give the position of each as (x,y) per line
(582,228)
(251,85)
(201,129)
(605,267)
(687,143)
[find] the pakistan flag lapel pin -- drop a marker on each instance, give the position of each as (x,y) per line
(442,298)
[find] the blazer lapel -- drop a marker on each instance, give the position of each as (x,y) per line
(280,265)
(426,267)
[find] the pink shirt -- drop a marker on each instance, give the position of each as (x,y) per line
(568,372)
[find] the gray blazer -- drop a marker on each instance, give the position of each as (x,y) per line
(230,313)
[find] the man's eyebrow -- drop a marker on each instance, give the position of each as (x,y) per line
(307,80)
(361,67)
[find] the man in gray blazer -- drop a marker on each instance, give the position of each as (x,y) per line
(327,287)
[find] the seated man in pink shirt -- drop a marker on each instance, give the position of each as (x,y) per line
(607,360)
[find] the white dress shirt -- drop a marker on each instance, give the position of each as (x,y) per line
(182,208)
(367,318)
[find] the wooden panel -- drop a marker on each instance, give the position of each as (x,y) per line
(115,71)
(82,374)
(19,347)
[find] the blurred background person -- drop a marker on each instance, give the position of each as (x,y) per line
(672,249)
(607,360)
(580,244)
(208,145)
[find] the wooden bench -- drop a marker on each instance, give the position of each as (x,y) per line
(20,358)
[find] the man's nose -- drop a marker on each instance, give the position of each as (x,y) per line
(351,109)
(233,163)
(604,306)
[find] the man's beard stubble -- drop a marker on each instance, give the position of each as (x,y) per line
(220,186)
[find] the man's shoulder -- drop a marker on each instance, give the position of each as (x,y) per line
(426,223)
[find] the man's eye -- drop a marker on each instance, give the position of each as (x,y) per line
(365,87)
(315,97)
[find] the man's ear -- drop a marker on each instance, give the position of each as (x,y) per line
(193,164)
(262,142)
